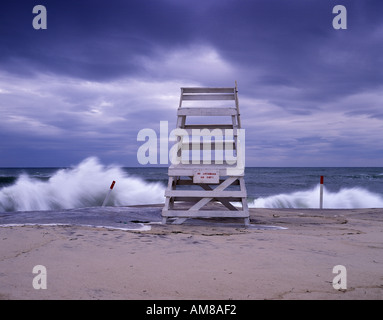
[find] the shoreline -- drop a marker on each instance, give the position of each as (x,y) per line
(207,259)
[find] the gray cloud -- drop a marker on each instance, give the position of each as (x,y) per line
(309,94)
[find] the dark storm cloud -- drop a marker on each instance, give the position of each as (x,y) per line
(280,43)
(103,70)
(91,39)
(291,44)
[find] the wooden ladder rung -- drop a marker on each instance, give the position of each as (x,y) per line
(206,194)
(207,90)
(196,199)
(206,132)
(207,97)
(190,182)
(208,126)
(207,112)
(209,145)
(186,170)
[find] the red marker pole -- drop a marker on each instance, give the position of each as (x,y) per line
(321,193)
(108,195)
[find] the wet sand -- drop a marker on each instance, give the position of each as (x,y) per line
(201,259)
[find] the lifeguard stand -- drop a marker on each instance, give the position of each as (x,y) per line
(206,177)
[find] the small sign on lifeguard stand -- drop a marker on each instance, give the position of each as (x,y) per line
(206,176)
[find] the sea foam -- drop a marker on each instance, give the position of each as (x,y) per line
(84,185)
(348,198)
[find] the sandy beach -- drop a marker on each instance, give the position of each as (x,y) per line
(201,260)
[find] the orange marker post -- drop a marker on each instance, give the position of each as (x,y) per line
(109,192)
(321,193)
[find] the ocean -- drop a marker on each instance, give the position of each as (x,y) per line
(75,195)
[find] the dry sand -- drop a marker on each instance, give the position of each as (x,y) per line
(205,261)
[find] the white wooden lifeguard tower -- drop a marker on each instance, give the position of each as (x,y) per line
(206,178)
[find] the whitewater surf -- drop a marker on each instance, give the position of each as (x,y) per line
(84,185)
(348,198)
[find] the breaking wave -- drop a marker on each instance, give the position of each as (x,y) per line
(85,185)
(350,198)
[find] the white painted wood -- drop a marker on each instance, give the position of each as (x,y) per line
(187,169)
(225,184)
(206,90)
(182,201)
(192,200)
(202,194)
(200,204)
(237,105)
(182,170)
(207,126)
(209,145)
(206,131)
(184,182)
(205,213)
(207,112)
(207,97)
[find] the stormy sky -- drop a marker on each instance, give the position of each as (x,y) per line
(310,95)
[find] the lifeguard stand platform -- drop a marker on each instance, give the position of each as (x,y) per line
(206,176)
